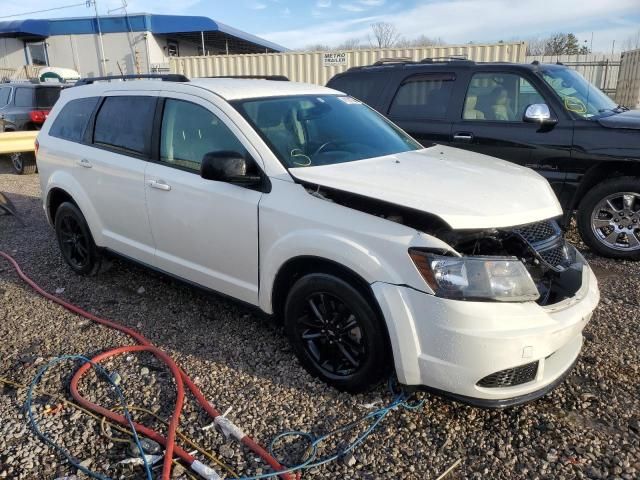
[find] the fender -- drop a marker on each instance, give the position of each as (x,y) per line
(368,264)
(64,181)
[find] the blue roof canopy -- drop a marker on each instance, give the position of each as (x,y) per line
(24,28)
(158,24)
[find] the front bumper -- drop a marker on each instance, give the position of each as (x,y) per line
(447,346)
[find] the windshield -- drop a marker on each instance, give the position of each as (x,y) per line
(306,131)
(577,94)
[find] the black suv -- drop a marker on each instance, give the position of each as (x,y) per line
(547,117)
(25,106)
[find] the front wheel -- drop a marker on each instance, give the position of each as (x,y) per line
(24,163)
(336,333)
(609,218)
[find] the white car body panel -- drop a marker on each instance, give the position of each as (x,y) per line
(235,240)
(480,191)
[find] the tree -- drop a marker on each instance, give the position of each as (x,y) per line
(421,41)
(316,47)
(350,44)
(384,35)
(556,44)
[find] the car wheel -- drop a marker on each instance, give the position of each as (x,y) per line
(75,240)
(336,333)
(609,218)
(24,163)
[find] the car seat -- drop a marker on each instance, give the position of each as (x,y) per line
(470,111)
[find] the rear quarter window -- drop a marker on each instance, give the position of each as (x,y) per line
(72,120)
(366,88)
(124,122)
(47,97)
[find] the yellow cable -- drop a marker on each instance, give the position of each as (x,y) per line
(117,427)
(181,435)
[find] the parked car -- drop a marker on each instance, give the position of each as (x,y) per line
(309,205)
(546,117)
(25,106)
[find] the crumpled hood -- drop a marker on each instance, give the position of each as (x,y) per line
(467,190)
(629,119)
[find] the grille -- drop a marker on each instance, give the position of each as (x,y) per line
(539,231)
(510,377)
(555,256)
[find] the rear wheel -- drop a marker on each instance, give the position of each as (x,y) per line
(24,163)
(336,334)
(75,241)
(609,218)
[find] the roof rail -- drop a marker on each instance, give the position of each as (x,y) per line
(166,77)
(386,60)
(279,78)
(452,58)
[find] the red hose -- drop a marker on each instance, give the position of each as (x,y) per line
(180,377)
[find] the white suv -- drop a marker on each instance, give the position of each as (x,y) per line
(443,265)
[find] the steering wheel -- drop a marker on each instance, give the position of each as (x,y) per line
(326,144)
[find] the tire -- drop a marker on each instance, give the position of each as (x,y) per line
(24,163)
(609,218)
(338,305)
(76,242)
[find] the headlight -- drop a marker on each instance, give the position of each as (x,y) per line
(503,279)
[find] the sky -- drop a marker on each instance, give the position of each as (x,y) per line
(299,23)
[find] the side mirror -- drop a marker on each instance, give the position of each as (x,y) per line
(539,113)
(227,166)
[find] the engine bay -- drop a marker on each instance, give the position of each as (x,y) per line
(540,246)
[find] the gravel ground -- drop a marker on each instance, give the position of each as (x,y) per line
(587,428)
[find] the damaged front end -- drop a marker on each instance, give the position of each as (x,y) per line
(554,266)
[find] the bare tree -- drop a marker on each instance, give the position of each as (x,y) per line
(316,47)
(350,44)
(384,35)
(632,42)
(421,41)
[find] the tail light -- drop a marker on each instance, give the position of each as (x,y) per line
(38,116)
(36,146)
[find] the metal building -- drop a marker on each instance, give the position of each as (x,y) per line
(115,44)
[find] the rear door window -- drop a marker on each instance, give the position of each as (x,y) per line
(124,123)
(47,97)
(4,96)
(72,120)
(23,97)
(423,96)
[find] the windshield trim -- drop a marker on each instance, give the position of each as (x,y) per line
(237,105)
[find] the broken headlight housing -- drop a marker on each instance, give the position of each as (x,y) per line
(502,279)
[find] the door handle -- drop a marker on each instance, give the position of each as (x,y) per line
(160,185)
(84,163)
(463,137)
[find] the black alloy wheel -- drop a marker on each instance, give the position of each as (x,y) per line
(332,335)
(336,333)
(75,240)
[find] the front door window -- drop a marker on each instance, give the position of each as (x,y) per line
(501,97)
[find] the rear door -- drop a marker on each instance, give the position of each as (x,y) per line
(205,231)
(420,106)
(491,123)
(112,171)
(5,96)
